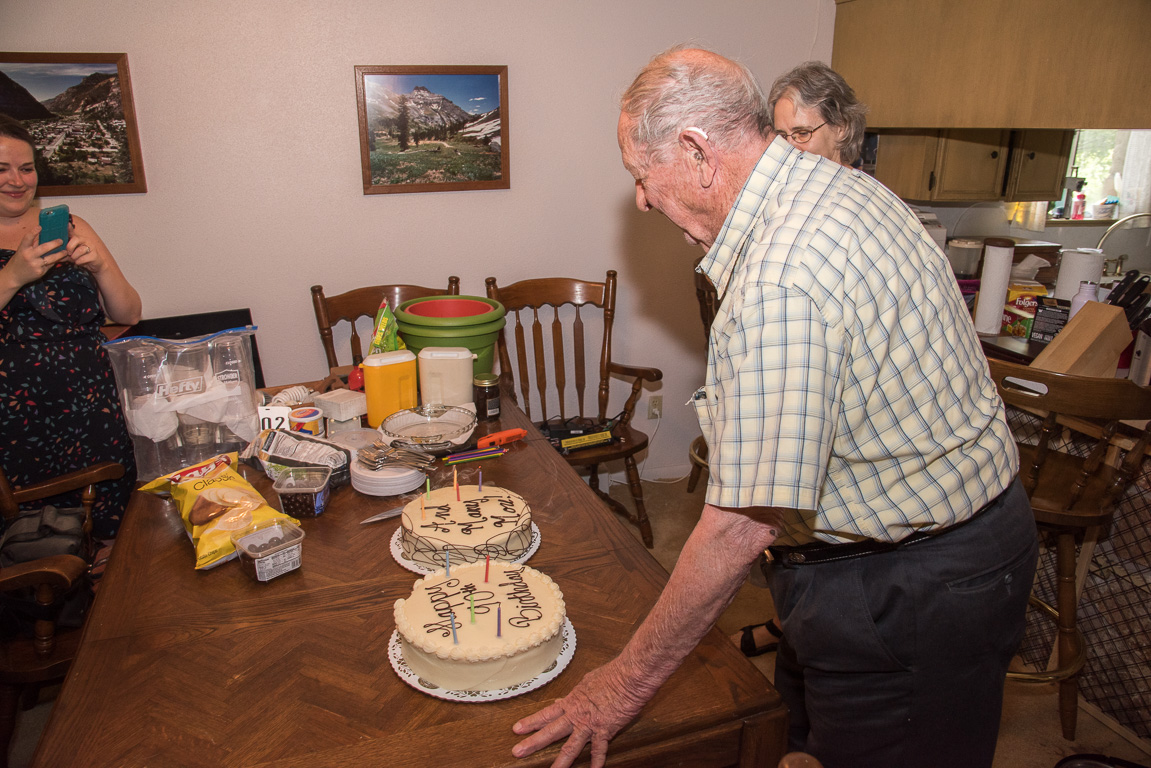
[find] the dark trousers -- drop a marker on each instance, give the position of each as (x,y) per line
(897,659)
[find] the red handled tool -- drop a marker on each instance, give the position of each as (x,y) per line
(501,438)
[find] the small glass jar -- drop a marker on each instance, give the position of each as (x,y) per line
(486,393)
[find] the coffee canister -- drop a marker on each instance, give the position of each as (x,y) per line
(309,421)
(445,375)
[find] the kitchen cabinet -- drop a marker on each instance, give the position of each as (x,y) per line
(997,63)
(973,164)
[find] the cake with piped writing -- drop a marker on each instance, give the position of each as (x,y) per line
(481,627)
(490,523)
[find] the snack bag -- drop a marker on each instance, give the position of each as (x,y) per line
(214,500)
(386,337)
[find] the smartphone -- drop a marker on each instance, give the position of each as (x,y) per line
(54,226)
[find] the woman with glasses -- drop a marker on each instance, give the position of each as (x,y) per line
(815,110)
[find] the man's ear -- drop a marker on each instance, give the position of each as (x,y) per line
(695,143)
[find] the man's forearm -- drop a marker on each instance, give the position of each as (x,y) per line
(710,570)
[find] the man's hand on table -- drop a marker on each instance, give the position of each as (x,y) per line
(595,711)
(712,566)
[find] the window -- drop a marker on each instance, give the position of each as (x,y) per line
(1115,165)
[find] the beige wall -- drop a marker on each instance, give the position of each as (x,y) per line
(247,116)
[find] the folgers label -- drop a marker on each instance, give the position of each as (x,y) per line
(1019,311)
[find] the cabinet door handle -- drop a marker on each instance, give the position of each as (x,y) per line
(931,181)
(994,154)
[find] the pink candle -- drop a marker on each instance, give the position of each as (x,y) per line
(487,566)
(456,481)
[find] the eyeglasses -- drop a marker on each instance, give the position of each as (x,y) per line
(800,135)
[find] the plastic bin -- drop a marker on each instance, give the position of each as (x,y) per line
(473,322)
(304,491)
(269,549)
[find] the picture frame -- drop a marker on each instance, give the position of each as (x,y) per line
(416,137)
(79,108)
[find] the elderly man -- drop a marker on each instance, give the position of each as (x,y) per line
(853,431)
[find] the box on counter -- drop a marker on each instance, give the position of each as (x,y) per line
(1019,310)
(1050,317)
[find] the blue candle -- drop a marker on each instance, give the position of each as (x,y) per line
(448,563)
(455,639)
(481,488)
(499,618)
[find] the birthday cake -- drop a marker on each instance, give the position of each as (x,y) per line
(484,627)
(471,524)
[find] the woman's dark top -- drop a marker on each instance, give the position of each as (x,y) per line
(59,409)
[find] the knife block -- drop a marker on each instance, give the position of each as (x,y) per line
(1090,344)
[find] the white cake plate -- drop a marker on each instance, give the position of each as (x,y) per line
(567,651)
(424,570)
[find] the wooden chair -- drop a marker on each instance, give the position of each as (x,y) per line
(532,303)
(364,302)
(1073,496)
(26,663)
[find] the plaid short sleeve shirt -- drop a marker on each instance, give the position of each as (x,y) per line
(845,381)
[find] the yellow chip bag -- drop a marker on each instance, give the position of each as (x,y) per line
(214,500)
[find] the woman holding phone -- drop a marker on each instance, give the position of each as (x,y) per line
(59,409)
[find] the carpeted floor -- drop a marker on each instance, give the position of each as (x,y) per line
(1030,735)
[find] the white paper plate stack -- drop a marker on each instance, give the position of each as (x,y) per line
(387,481)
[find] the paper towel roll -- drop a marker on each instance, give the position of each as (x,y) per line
(1078,264)
(993,287)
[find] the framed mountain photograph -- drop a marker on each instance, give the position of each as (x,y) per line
(78,107)
(433,129)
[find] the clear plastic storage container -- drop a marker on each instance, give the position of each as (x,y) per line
(304,491)
(269,549)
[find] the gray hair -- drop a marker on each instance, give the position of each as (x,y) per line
(815,85)
(687,87)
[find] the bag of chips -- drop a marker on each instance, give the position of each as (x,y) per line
(214,500)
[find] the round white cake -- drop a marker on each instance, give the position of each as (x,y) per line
(493,523)
(484,627)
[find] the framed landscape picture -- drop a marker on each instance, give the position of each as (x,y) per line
(78,107)
(433,129)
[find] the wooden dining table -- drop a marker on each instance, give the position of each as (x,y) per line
(179,667)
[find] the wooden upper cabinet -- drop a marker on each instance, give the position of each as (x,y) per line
(933,64)
(962,164)
(1038,165)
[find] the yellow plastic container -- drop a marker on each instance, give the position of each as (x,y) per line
(389,383)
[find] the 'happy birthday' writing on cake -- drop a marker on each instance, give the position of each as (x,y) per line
(450,597)
(521,594)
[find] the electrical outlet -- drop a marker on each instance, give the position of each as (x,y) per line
(655,407)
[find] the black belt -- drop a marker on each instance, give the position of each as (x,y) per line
(823,552)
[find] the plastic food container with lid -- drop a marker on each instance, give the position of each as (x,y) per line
(304,491)
(269,548)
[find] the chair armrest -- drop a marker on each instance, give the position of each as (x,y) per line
(97,473)
(57,571)
(639,376)
(647,374)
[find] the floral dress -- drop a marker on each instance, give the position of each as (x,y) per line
(59,409)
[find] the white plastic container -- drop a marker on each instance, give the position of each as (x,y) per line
(446,375)
(964,256)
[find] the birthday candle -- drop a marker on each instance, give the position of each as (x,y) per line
(472,599)
(455,639)
(429,488)
(456,481)
(487,565)
(499,618)
(448,563)
(481,479)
